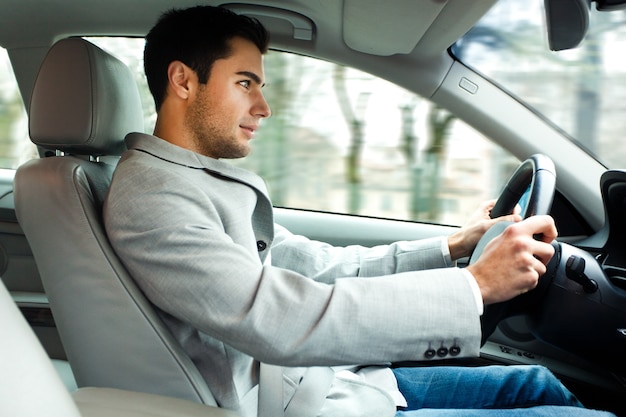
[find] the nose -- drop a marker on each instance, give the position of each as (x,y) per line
(262,109)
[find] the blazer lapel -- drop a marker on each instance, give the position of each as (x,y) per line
(262,218)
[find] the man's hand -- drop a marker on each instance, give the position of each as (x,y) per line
(512,263)
(463,242)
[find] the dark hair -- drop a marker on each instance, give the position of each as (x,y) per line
(197,36)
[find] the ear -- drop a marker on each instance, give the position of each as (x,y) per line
(181,80)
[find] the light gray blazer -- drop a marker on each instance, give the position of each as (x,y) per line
(195,233)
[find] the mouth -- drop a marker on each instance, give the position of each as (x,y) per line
(249,130)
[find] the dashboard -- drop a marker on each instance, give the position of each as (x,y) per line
(584,306)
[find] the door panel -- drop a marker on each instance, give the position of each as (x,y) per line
(342,229)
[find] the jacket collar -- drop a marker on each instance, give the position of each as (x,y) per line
(167,151)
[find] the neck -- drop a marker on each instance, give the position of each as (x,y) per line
(170,127)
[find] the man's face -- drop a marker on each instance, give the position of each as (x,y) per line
(226,111)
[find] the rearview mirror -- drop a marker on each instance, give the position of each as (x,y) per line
(567,21)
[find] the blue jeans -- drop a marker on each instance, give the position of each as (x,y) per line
(491,391)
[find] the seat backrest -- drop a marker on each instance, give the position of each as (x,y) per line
(83,104)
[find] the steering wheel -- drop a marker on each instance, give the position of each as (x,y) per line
(531,186)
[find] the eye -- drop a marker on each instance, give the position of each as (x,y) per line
(245,84)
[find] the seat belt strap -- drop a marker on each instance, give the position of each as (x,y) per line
(307,400)
(270,391)
(311,394)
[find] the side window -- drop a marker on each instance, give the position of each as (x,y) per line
(15,146)
(343,141)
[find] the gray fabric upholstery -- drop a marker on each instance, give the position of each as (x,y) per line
(111,333)
(85,101)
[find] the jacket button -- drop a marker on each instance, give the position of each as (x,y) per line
(430,353)
(442,351)
(455,350)
(261,246)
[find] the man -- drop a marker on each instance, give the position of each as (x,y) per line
(196,233)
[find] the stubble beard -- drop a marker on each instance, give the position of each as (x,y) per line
(210,137)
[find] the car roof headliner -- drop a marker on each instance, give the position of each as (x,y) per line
(422,27)
(348,32)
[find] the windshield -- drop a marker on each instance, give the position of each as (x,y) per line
(582,91)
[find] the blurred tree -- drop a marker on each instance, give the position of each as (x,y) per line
(439,123)
(273,158)
(355,120)
(11,115)
(408,145)
(408,139)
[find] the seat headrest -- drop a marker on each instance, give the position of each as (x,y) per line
(84,101)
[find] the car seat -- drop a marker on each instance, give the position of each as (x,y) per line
(83,104)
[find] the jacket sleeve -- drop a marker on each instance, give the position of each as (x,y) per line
(323,262)
(174,244)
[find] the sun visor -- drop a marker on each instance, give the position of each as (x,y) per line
(400,26)
(376,19)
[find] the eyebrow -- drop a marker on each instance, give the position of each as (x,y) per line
(252,76)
